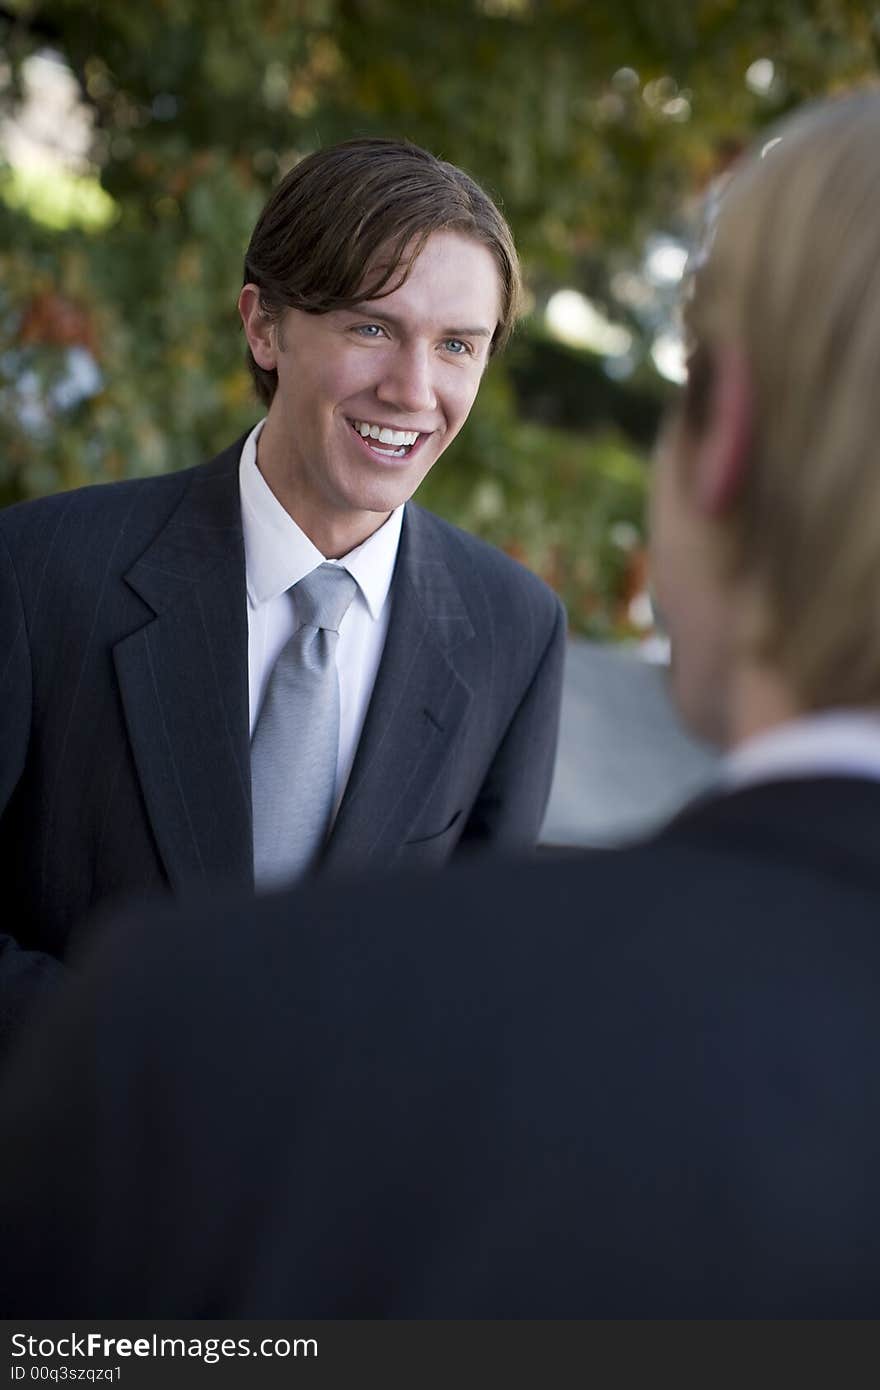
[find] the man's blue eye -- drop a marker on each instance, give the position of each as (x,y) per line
(456,346)
(369,330)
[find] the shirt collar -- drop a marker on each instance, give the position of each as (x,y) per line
(842,742)
(278,553)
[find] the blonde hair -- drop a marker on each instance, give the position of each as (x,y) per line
(790,276)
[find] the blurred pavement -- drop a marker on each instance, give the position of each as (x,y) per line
(624,764)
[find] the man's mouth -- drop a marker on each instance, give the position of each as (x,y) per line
(385,441)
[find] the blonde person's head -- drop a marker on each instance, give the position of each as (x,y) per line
(789,278)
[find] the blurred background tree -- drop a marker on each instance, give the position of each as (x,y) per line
(138,143)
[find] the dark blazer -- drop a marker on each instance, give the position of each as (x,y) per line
(124,747)
(638,1084)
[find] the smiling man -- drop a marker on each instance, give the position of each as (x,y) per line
(368,396)
(274,664)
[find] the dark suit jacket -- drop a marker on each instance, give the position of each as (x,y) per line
(124,748)
(639,1084)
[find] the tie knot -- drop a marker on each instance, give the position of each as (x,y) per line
(322,597)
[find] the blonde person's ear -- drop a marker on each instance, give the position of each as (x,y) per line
(722,453)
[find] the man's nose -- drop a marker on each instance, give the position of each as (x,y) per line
(408,380)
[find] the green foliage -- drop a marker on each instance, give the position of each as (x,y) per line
(568,506)
(120,350)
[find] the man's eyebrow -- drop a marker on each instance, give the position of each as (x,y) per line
(468,332)
(375,311)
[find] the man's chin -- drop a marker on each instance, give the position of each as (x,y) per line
(384,494)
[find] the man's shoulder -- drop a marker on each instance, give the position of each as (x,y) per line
(496,571)
(731,877)
(667,913)
(135,506)
(95,501)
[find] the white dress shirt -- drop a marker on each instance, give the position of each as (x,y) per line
(833,742)
(277,555)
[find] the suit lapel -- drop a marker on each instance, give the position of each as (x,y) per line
(183,680)
(418,703)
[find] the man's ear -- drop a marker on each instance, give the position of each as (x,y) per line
(259,330)
(722,455)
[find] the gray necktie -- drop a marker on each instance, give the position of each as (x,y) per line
(295,742)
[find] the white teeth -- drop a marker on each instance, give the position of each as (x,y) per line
(385,435)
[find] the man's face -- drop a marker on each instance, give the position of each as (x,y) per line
(369,398)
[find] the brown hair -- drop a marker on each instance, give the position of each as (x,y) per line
(320,233)
(790,276)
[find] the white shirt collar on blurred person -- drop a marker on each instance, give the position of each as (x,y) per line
(843,743)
